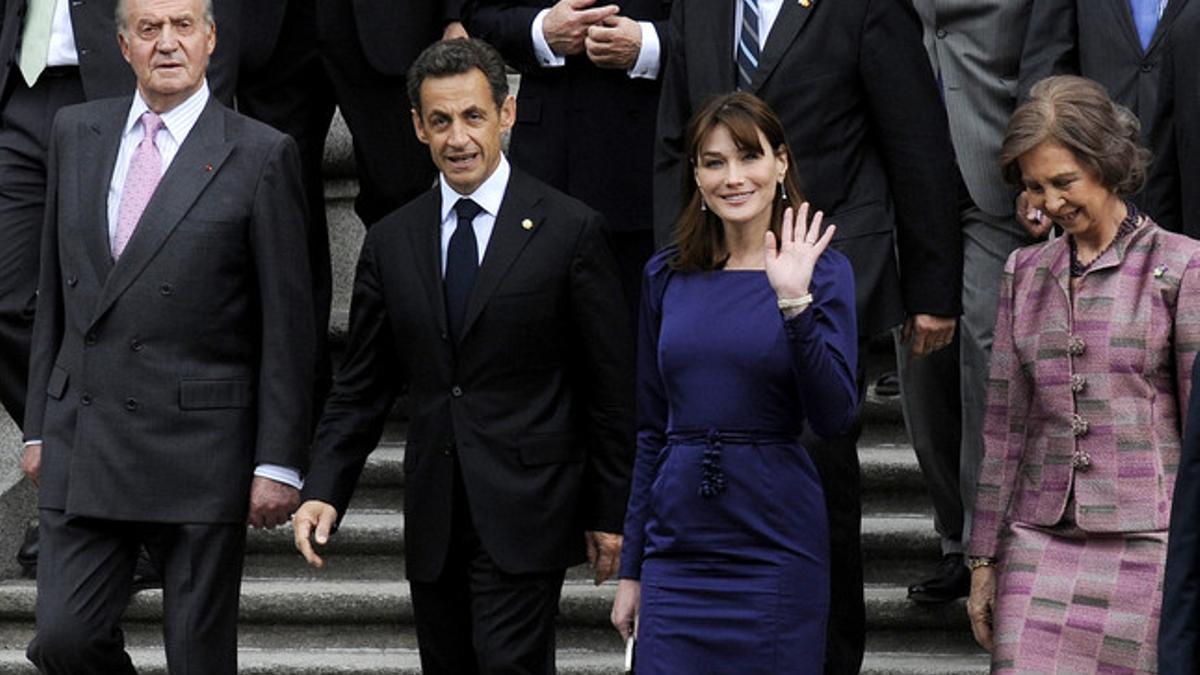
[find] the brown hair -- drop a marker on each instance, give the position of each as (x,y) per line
(699,235)
(1078,114)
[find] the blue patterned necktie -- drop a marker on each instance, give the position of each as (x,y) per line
(747,52)
(462,262)
(1145,18)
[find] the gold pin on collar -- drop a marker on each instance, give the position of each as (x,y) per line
(527,224)
(806,3)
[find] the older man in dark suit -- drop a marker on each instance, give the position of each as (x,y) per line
(495,299)
(172,353)
(853,86)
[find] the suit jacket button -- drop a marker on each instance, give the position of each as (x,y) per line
(941,33)
(135,344)
(85,399)
(89,339)
(445,337)
(166,289)
(1076,346)
(131,404)
(448,449)
(456,391)
(1147,67)
(71,281)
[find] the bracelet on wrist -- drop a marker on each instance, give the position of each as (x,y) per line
(795,303)
(976,563)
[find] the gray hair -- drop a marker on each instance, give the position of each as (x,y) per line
(122,16)
(455,57)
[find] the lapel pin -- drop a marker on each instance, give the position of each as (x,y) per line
(208,168)
(1160,271)
(527,224)
(805,3)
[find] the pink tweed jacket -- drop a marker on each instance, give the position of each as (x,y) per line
(1089,392)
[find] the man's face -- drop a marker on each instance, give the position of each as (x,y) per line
(462,126)
(168,43)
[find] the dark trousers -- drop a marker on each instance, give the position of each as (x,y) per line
(85,572)
(476,618)
(24,137)
(836,460)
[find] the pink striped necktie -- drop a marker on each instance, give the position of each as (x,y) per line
(145,169)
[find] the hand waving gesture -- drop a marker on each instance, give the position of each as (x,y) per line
(790,264)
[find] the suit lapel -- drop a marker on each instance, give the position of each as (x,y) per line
(723,16)
(509,237)
(792,17)
(427,254)
(198,160)
(1174,7)
(100,141)
(1123,15)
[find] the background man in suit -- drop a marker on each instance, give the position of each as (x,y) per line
(52,53)
(587,106)
(495,299)
(853,87)
(172,353)
(1176,133)
(975,49)
(302,58)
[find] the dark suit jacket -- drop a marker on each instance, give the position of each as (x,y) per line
(391,32)
(587,131)
(536,401)
(102,68)
(158,382)
(1179,628)
(852,84)
(1097,39)
(1175,133)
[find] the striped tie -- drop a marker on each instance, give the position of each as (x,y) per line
(747,53)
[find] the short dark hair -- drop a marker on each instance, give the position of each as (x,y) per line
(455,57)
(699,233)
(1078,114)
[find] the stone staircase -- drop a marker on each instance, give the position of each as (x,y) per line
(355,616)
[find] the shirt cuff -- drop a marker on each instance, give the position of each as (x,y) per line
(649,58)
(33,441)
(280,474)
(546,57)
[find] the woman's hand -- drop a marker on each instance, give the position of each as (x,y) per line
(790,264)
(982,603)
(626,607)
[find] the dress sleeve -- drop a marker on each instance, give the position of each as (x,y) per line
(1187,332)
(1009,392)
(824,346)
(651,413)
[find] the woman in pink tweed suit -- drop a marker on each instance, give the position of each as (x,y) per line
(1095,337)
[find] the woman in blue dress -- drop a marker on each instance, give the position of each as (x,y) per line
(747,333)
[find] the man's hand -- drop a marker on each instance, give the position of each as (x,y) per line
(604,553)
(614,43)
(626,607)
(981,603)
(1035,221)
(271,503)
(313,522)
(31,461)
(926,333)
(454,31)
(566,24)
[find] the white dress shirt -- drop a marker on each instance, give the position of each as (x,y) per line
(62,38)
(646,67)
(488,196)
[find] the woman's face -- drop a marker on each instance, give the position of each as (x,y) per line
(1068,192)
(738,185)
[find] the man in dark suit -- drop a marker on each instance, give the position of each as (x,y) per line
(1179,628)
(172,353)
(52,53)
(495,299)
(587,104)
(852,84)
(1175,138)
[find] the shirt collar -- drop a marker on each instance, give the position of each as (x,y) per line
(178,121)
(488,195)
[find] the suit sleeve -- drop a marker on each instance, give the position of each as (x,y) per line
(1051,43)
(287,352)
(913,136)
(606,370)
(48,324)
(674,110)
(651,416)
(1008,396)
(363,392)
(506,26)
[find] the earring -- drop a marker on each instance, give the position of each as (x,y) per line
(782,191)
(703,205)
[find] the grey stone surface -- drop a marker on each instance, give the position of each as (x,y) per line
(17,500)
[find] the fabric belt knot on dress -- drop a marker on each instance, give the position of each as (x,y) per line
(712,478)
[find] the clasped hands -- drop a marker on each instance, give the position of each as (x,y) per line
(577,27)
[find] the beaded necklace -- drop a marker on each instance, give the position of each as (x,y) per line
(1132,219)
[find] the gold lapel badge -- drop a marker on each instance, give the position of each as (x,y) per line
(527,224)
(805,3)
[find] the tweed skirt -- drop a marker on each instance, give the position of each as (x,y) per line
(1069,601)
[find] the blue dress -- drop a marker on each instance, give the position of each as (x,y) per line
(726,526)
